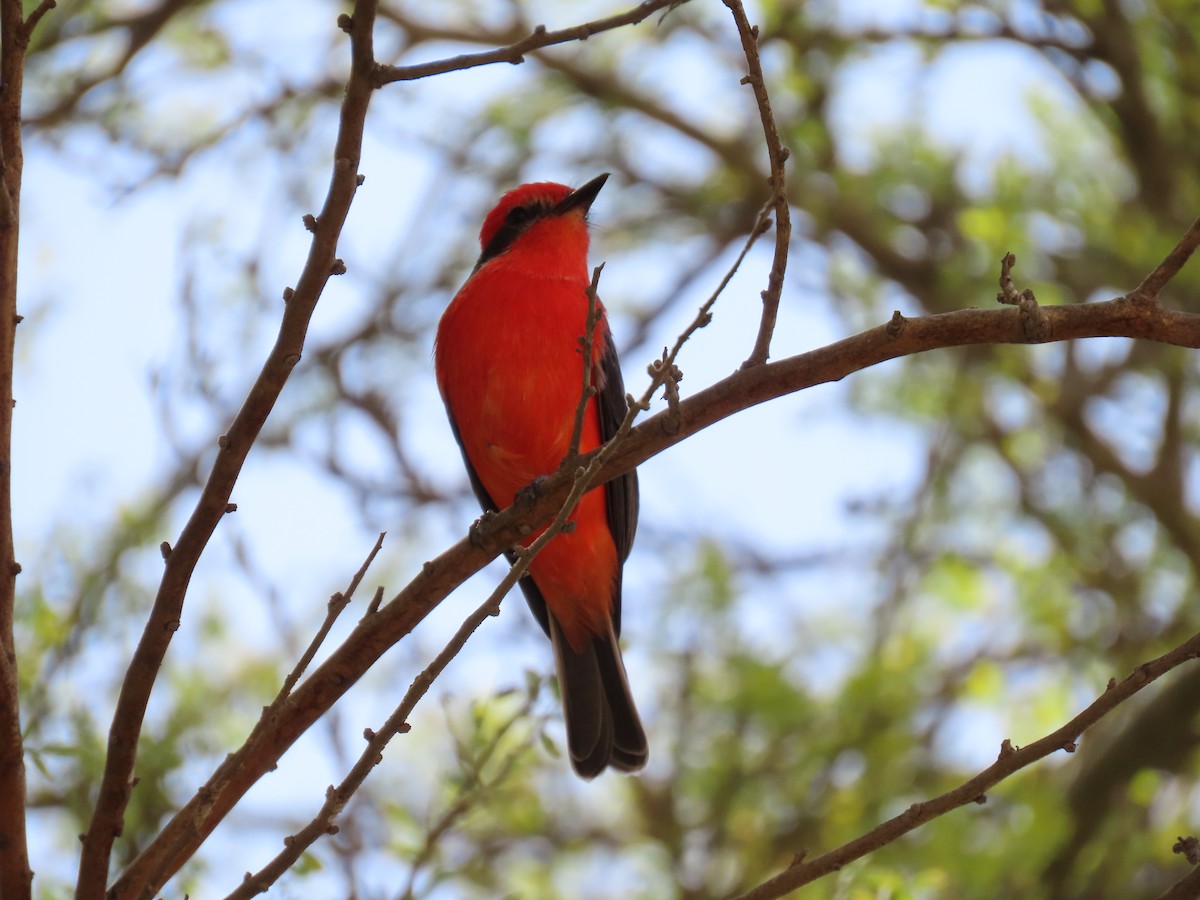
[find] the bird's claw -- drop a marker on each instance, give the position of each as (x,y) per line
(475,534)
(530,492)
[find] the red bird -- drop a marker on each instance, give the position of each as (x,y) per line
(509,368)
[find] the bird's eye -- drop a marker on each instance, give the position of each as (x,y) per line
(519,215)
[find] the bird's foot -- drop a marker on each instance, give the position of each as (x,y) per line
(528,494)
(476,533)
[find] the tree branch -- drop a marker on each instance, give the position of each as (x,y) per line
(1153,283)
(15,876)
(778,155)
(336,798)
(1187,887)
(515,53)
(587,389)
(34,17)
(1121,317)
(1011,759)
(107,819)
(397,723)
(337,603)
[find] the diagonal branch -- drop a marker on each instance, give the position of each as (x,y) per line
(372,637)
(1186,888)
(337,603)
(336,798)
(1153,283)
(107,818)
(34,17)
(1011,759)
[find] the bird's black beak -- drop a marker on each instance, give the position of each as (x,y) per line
(580,199)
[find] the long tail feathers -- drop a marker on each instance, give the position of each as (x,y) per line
(603,728)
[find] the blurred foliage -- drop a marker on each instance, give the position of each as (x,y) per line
(1048,543)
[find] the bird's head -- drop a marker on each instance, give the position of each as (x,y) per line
(541,212)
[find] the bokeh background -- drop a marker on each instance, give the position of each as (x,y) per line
(838,604)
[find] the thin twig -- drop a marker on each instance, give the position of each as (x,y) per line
(469,794)
(1153,283)
(34,17)
(1032,319)
(337,603)
(270,713)
(974,790)
(586,343)
(664,369)
(336,798)
(778,154)
(515,53)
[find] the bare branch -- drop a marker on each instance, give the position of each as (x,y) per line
(778,155)
(397,723)
(586,342)
(115,786)
(336,798)
(1153,283)
(1011,759)
(368,641)
(337,603)
(1186,888)
(664,371)
(15,875)
(515,53)
(34,17)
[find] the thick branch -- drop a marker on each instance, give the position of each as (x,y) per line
(367,643)
(336,798)
(107,819)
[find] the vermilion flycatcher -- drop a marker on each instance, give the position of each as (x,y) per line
(509,366)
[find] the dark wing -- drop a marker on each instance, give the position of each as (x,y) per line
(621,494)
(537,604)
